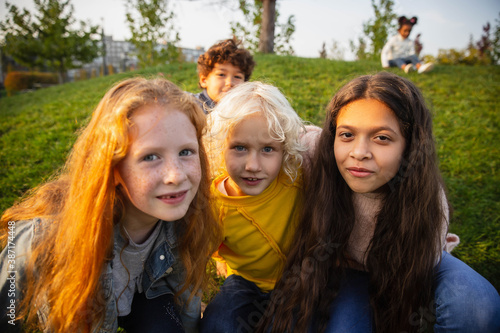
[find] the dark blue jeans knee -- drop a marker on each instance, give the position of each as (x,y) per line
(398,62)
(464,300)
(237,308)
(350,311)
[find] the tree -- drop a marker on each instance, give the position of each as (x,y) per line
(258,31)
(360,49)
(266,40)
(336,52)
(284,37)
(153,31)
(495,43)
(377,30)
(484,45)
(47,38)
(322,52)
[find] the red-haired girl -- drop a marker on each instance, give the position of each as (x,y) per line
(123,235)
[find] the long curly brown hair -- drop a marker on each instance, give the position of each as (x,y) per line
(406,241)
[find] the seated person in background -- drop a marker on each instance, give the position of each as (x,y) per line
(399,51)
(225,65)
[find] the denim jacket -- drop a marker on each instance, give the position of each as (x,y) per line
(163,273)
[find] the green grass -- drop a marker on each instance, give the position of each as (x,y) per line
(37,130)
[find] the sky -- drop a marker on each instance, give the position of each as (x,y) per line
(443,24)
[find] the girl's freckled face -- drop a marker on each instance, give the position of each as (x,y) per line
(161,172)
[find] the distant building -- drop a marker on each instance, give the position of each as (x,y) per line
(120,57)
(119,54)
(192,55)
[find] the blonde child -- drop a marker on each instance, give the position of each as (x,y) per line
(399,51)
(374,225)
(255,144)
(225,65)
(122,236)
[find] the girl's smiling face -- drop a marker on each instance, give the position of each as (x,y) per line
(368,145)
(161,172)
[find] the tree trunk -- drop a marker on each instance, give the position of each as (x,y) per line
(63,73)
(266,42)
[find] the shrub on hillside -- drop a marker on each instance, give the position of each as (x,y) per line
(16,81)
(483,52)
(19,81)
(469,56)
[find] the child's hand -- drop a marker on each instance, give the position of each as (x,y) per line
(452,240)
(221,269)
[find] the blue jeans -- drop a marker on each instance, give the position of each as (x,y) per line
(237,307)
(464,301)
(398,62)
(350,311)
(240,304)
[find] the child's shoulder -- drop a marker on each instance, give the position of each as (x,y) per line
(25,233)
(204,100)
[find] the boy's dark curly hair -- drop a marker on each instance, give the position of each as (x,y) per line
(226,51)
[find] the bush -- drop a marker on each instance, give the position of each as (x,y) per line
(470,57)
(476,53)
(45,79)
(19,81)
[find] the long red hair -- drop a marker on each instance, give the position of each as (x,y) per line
(81,205)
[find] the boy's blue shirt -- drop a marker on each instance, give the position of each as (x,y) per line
(206,103)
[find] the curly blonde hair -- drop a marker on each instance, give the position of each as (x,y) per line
(249,99)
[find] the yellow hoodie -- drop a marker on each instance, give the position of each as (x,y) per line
(258,229)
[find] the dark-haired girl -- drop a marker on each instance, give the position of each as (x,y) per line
(399,51)
(370,243)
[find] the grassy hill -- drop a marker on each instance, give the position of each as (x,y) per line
(37,130)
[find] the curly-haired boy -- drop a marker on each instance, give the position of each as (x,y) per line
(225,65)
